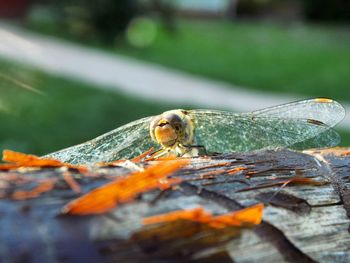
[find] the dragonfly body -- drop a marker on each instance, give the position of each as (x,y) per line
(298,125)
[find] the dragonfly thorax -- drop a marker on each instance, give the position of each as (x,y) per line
(172,128)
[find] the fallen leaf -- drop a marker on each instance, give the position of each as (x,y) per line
(125,189)
(249,216)
(32,160)
(246,217)
(142,156)
(236,170)
(71,182)
(136,159)
(16,160)
(42,187)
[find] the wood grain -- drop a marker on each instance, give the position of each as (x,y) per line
(301,223)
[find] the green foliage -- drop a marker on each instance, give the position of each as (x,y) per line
(320,10)
(94,19)
(253,7)
(335,10)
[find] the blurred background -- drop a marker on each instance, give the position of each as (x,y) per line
(73,69)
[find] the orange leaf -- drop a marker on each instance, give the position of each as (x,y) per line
(18,159)
(197,214)
(337,151)
(124,189)
(43,187)
(164,184)
(142,156)
(21,158)
(9,166)
(246,217)
(236,170)
(71,182)
(136,159)
(305,180)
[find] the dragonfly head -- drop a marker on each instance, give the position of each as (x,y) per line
(172,128)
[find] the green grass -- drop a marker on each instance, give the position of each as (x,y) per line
(65,113)
(301,59)
(309,60)
(345,138)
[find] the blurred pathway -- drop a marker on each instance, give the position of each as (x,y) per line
(137,78)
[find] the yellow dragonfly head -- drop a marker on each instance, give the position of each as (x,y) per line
(172,128)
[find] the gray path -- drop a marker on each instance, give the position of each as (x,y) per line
(134,77)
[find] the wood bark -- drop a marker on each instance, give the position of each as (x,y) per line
(301,222)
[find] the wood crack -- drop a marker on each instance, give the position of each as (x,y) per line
(336,178)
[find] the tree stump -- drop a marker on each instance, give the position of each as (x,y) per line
(305,220)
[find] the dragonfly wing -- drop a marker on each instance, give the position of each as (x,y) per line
(227,132)
(328,138)
(327,111)
(122,143)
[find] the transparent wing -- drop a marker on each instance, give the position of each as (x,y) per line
(122,143)
(327,111)
(227,132)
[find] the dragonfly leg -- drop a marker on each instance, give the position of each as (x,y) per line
(197,147)
(160,153)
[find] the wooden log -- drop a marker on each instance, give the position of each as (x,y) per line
(305,220)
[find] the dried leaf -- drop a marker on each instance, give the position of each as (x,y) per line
(336,151)
(197,214)
(237,170)
(249,216)
(32,160)
(17,160)
(71,182)
(43,187)
(164,184)
(134,160)
(125,189)
(304,180)
(142,156)
(246,217)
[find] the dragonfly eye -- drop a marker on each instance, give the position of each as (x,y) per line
(175,121)
(162,124)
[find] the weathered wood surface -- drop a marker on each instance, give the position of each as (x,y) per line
(301,223)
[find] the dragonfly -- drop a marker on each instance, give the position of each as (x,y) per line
(297,125)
